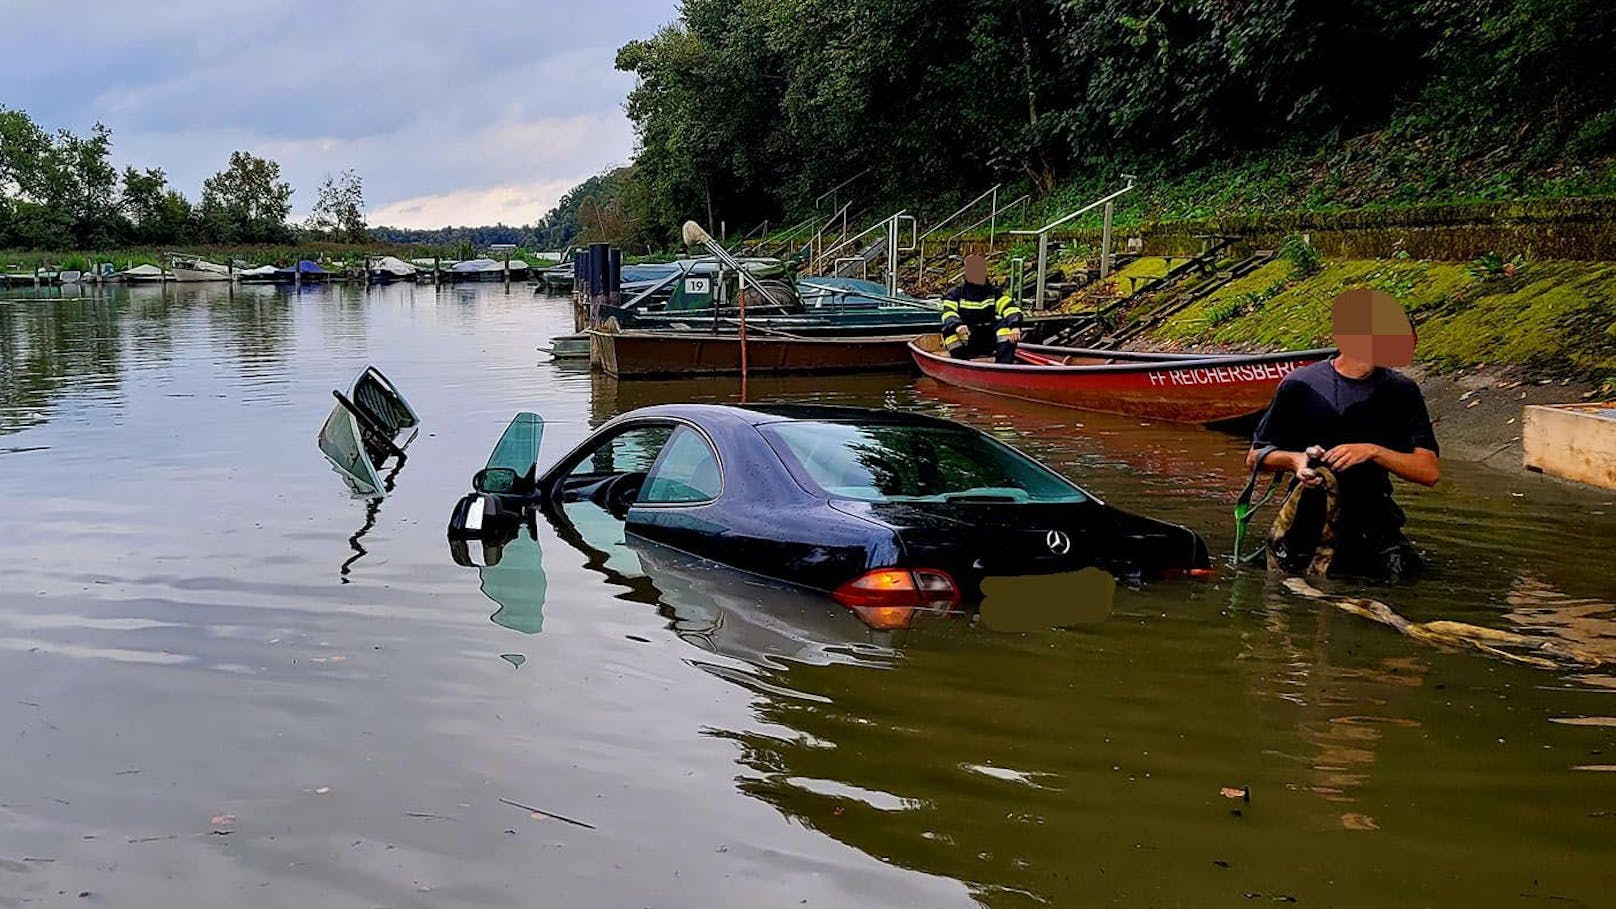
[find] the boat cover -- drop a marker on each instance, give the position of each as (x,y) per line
(391,265)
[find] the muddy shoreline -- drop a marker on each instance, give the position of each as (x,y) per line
(1477,413)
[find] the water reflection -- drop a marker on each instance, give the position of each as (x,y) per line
(511,572)
(70,347)
(724,612)
(170,608)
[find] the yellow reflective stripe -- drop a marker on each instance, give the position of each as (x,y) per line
(1003,333)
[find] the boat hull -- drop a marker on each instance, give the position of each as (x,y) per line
(1195,390)
(634,355)
(195,276)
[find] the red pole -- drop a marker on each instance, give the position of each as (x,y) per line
(742,299)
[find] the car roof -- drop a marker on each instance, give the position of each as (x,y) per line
(761,414)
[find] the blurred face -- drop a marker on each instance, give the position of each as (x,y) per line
(1370,325)
(976,270)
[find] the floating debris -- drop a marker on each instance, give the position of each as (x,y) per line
(1538,652)
(540,814)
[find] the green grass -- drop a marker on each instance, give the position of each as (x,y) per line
(1551,317)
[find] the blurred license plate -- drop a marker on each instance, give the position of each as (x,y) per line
(1041,601)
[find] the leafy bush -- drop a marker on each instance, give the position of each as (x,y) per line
(1491,266)
(1304,258)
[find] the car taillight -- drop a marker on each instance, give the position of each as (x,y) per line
(888,597)
(1188,572)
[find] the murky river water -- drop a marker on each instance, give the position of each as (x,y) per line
(214,684)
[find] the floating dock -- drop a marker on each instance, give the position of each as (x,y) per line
(1572,441)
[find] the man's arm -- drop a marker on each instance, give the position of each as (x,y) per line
(1284,462)
(1418,466)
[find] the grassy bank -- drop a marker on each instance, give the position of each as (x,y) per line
(1548,318)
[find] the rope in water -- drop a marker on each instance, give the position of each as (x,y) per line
(1526,650)
(1539,652)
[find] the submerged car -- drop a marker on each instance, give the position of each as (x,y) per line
(886,512)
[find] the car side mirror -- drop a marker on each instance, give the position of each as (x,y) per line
(495,481)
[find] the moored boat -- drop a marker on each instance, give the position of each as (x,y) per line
(304,272)
(1179,388)
(391,268)
(144,274)
(650,354)
(190,270)
(569,347)
(487,270)
(263,274)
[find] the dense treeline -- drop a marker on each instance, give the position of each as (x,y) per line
(61,191)
(750,108)
(475,237)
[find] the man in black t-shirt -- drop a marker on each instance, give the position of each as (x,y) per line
(1370,422)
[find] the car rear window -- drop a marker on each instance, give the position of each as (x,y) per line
(895,462)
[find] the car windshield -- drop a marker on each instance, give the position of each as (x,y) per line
(914,463)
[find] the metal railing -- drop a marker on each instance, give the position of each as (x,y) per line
(1042,234)
(833,192)
(892,225)
(817,244)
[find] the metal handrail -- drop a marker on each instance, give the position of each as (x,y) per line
(816,243)
(879,225)
(1023,200)
(967,207)
(838,187)
(1082,211)
(1042,234)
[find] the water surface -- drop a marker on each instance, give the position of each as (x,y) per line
(225,676)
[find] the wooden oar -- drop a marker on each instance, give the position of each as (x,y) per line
(1035,359)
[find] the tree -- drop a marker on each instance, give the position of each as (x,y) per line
(247,202)
(339,209)
(85,185)
(24,149)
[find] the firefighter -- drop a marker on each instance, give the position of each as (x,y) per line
(979,318)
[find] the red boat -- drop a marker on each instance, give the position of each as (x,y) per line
(1180,388)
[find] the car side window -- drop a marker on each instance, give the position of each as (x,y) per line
(688,471)
(631,451)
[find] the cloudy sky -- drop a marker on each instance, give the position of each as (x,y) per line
(453,113)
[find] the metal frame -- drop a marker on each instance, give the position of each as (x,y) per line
(1042,234)
(832,192)
(863,263)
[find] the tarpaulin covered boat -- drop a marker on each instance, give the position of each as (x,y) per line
(1181,388)
(144,274)
(304,272)
(391,268)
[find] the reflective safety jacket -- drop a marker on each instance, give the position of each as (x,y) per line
(978,307)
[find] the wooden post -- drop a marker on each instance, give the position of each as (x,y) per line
(435,267)
(297,271)
(507,270)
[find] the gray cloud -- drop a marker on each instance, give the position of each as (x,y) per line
(448,111)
